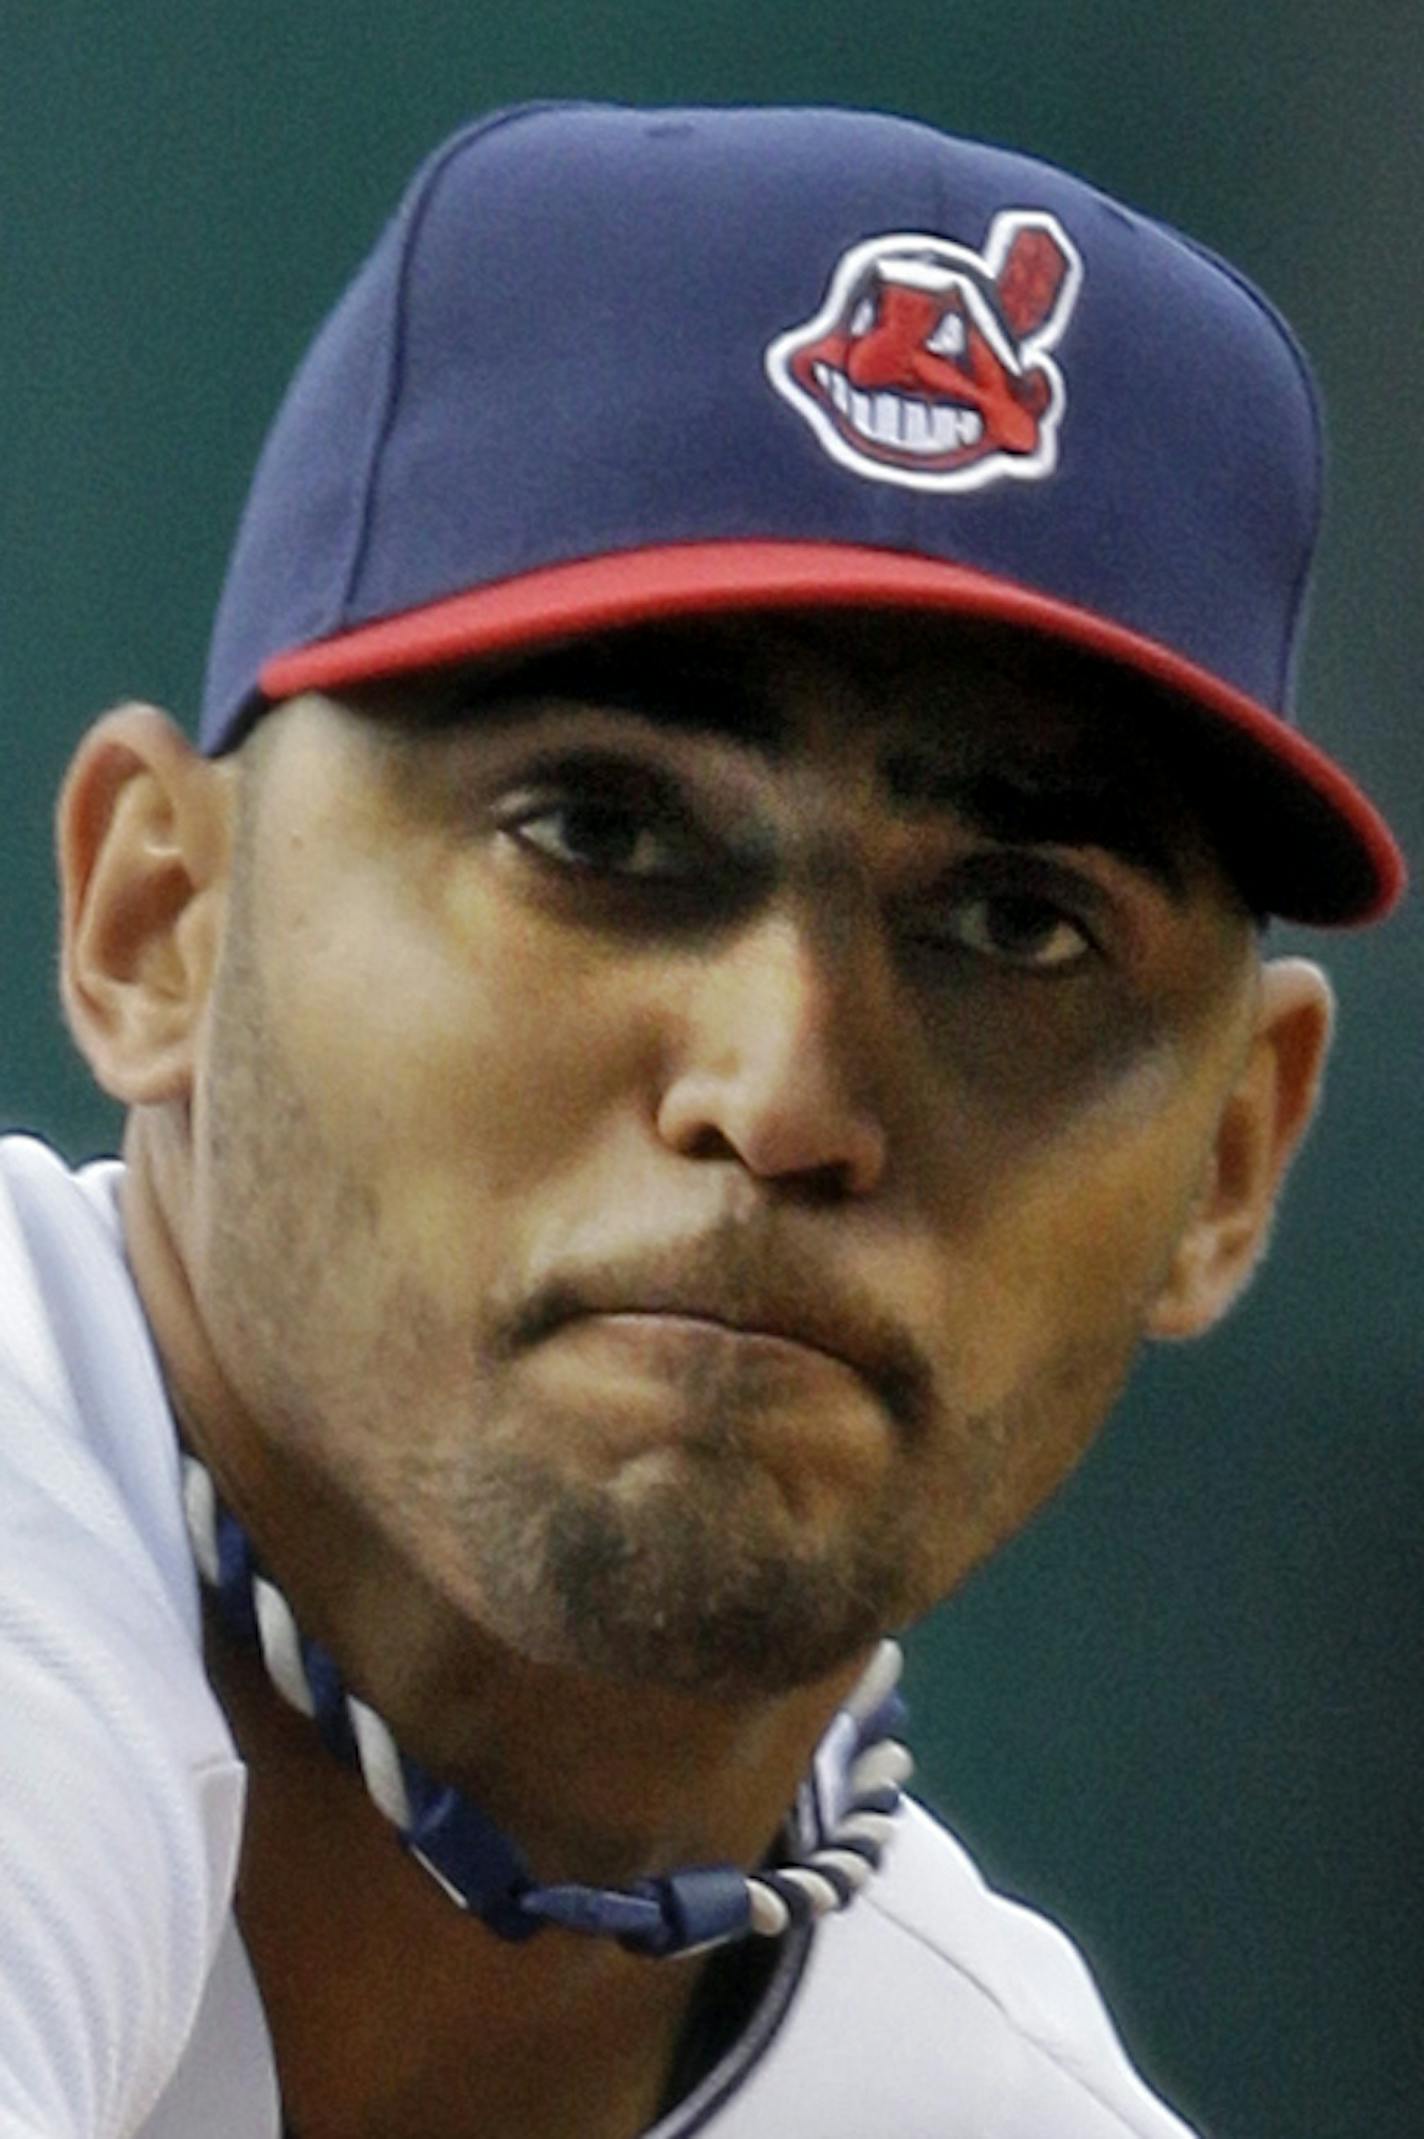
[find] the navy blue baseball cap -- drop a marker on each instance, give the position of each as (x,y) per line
(606,367)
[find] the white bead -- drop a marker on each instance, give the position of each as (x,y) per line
(282,1646)
(822,1896)
(200,1503)
(880,1678)
(380,1762)
(881,1767)
(854,1869)
(878,1827)
(770,1915)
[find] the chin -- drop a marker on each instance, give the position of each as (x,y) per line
(699,1587)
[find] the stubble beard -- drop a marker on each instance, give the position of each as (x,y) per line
(702,1575)
(693,1581)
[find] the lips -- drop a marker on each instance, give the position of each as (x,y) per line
(715,1326)
(719,1290)
(767,1320)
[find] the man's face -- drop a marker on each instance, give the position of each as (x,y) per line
(691,1127)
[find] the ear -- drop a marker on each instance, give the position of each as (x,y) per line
(1261,1124)
(143,833)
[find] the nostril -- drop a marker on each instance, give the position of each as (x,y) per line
(819,1146)
(708,1142)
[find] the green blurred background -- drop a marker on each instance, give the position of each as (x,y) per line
(1181,1713)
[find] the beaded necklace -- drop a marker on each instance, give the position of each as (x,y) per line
(836,1834)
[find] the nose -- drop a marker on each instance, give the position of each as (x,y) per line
(779,1062)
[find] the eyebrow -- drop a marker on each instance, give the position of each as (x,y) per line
(1036,806)
(687,698)
(1031,804)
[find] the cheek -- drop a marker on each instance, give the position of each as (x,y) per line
(1032,1065)
(1055,1225)
(1098,1226)
(456,1047)
(1035,1317)
(390,1088)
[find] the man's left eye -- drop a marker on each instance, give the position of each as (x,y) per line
(1019,929)
(607,839)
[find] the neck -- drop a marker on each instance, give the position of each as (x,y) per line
(571,2034)
(594,1782)
(327,1897)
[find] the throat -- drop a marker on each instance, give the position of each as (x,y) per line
(375,1988)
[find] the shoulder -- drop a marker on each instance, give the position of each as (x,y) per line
(121,1796)
(938,2009)
(86,1422)
(61,1269)
(96,1554)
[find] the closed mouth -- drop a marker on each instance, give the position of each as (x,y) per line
(818,1318)
(695,1322)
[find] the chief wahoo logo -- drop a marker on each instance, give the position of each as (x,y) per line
(928,364)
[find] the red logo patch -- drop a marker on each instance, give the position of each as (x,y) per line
(928,364)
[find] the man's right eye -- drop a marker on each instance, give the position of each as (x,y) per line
(606,838)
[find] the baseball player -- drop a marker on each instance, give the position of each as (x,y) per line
(699,995)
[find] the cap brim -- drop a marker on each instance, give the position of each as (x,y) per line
(1321,853)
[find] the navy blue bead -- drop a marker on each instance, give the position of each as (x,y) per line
(706,1904)
(235,1577)
(604,1910)
(328,1694)
(467,1849)
(886,1800)
(889,1720)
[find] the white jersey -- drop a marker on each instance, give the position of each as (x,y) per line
(931,2009)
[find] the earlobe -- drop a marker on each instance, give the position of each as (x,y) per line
(1259,1130)
(143,835)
